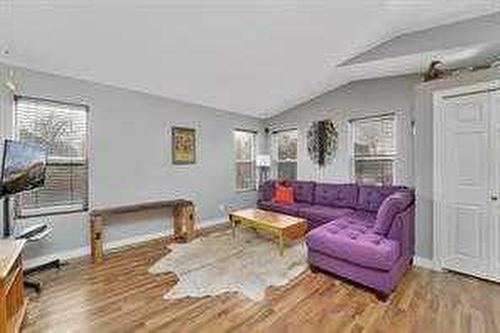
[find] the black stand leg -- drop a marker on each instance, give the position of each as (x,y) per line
(6,217)
(37,286)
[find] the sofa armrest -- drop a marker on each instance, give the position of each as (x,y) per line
(266,191)
(403,231)
(391,206)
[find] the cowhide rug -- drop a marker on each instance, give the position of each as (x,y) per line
(217,263)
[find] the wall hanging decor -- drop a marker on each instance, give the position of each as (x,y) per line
(183,145)
(322,142)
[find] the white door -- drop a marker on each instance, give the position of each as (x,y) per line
(466,183)
(495,209)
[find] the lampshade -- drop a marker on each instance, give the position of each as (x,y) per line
(263,160)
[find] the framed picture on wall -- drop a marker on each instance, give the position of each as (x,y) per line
(183,145)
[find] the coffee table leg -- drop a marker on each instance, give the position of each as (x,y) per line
(281,243)
(233,226)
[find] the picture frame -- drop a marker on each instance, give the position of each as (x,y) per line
(183,145)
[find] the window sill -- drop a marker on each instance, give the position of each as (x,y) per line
(246,190)
(55,210)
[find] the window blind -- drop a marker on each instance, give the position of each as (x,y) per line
(374,149)
(62,129)
(284,145)
(245,149)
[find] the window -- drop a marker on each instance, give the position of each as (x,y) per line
(62,128)
(245,145)
(285,154)
(374,150)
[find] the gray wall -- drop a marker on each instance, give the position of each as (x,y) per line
(475,31)
(424,151)
(410,99)
(130,156)
(359,99)
(130,148)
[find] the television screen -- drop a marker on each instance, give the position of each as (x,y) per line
(23,167)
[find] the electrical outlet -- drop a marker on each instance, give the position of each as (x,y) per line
(222,208)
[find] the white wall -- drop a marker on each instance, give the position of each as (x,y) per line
(130,156)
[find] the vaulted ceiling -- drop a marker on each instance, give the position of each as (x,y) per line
(256,57)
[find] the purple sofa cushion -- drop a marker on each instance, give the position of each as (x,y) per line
(336,195)
(362,217)
(383,281)
(370,197)
(354,243)
(266,190)
(289,209)
(313,224)
(303,191)
(322,213)
(391,206)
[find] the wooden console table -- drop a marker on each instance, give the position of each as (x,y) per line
(183,216)
(13,303)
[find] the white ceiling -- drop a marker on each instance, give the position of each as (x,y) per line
(251,57)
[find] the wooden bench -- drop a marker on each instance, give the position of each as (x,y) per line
(183,216)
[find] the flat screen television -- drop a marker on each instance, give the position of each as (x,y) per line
(23,167)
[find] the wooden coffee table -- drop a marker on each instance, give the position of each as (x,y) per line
(284,227)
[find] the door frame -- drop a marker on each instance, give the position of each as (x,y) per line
(438,161)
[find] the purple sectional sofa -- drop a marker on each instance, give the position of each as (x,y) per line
(360,232)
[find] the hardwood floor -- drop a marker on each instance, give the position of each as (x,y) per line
(121,296)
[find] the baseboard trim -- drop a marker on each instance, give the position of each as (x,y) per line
(213,222)
(423,262)
(62,255)
(85,251)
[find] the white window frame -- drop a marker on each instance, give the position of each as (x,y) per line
(393,158)
(55,160)
(252,161)
(275,152)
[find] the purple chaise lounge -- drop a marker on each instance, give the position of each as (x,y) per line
(360,232)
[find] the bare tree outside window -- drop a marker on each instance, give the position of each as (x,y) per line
(62,129)
(374,150)
(284,145)
(245,147)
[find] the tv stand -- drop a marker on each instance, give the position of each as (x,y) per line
(6,216)
(30,234)
(37,285)
(34,232)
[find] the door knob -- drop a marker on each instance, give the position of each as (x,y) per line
(494,198)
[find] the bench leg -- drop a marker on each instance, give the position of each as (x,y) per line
(96,247)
